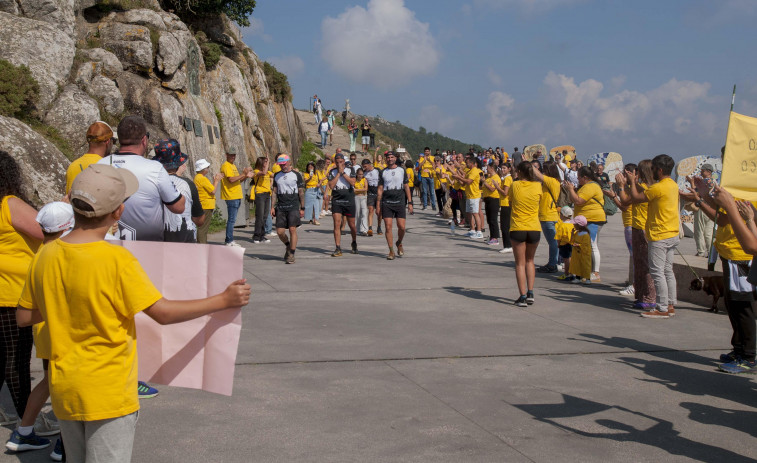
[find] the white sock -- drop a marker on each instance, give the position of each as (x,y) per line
(25,430)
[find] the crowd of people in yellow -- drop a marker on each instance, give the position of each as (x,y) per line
(56,260)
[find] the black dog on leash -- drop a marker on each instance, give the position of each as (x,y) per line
(712,286)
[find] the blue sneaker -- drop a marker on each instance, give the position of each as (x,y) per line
(58,453)
(729,357)
(19,443)
(739,366)
(145,391)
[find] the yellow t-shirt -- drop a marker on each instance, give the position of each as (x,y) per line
(548,205)
(262,183)
(525,197)
(410,177)
(312,181)
(17,252)
(639,214)
(580,260)
(230,190)
(504,200)
(593,208)
(473,191)
(88,294)
(361,184)
(663,218)
(440,176)
(78,166)
(206,192)
(426,166)
(379,165)
(490,182)
(727,244)
(276,169)
(627,217)
(564,232)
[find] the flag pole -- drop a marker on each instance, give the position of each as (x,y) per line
(713,253)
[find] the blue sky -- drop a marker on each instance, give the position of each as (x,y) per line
(636,77)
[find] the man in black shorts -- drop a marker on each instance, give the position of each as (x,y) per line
(342,185)
(371,175)
(288,204)
(393,194)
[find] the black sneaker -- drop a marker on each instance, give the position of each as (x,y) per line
(354,247)
(337,252)
(530,297)
(379,232)
(729,357)
(521,302)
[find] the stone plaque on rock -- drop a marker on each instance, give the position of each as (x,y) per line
(193,68)
(210,134)
(218,134)
(198,127)
(187,124)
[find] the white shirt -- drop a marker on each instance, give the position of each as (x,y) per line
(142,219)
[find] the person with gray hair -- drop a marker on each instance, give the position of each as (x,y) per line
(703,225)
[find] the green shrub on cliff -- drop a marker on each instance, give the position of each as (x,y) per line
(211,53)
(278,83)
(18,90)
(238,11)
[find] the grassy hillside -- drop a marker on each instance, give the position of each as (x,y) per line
(416,140)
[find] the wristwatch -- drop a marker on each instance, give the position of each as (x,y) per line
(698,202)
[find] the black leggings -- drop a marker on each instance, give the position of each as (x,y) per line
(504,223)
(455,205)
(491,207)
(440,199)
(15,358)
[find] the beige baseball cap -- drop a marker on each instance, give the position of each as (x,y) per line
(104,188)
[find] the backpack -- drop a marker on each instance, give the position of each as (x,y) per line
(610,207)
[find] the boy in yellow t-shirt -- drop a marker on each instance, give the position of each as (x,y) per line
(662,230)
(580,262)
(88,291)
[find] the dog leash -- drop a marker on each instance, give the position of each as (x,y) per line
(687,264)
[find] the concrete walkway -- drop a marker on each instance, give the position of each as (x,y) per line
(425,359)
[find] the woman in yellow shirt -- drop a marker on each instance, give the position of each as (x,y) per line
(206,190)
(313,178)
(361,202)
(589,202)
(525,230)
(626,215)
(491,202)
(439,184)
(410,174)
(20,236)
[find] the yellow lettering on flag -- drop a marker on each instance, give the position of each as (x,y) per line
(739,175)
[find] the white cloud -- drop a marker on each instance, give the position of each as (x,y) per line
(617,81)
(500,107)
(289,65)
(387,46)
(434,119)
(493,77)
(256,29)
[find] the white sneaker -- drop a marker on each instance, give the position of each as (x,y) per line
(560,267)
(266,240)
(479,235)
(233,244)
(470,233)
(627,291)
(45,426)
(506,250)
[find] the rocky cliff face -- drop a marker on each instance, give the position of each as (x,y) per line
(93,64)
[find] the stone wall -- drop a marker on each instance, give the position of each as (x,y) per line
(98,65)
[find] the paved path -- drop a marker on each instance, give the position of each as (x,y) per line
(425,359)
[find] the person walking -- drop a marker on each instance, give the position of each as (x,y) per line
(331,119)
(342,184)
(288,204)
(207,193)
(313,178)
(393,194)
(372,180)
(365,132)
(323,131)
(662,232)
(361,202)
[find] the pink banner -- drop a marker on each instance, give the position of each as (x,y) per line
(200,353)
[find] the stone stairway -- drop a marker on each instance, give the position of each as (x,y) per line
(341,137)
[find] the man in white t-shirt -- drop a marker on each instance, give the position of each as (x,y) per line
(142,219)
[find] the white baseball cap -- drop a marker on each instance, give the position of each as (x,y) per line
(56,216)
(201,164)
